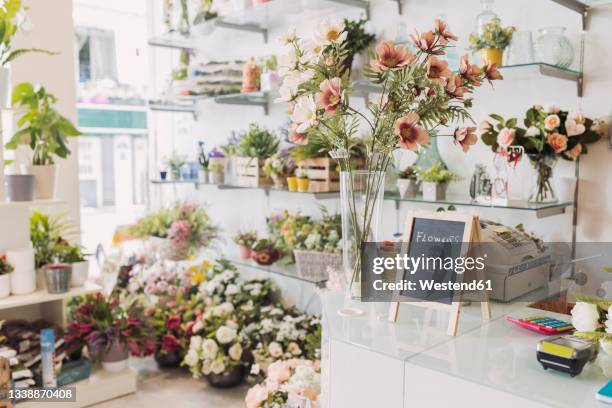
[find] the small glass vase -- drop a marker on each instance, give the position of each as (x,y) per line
(542,191)
(361,197)
(430,155)
(553,47)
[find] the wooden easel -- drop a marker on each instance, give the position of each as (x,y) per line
(471,234)
(5,383)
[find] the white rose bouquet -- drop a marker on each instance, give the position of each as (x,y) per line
(592,318)
(215,347)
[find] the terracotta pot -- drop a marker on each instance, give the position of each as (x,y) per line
(266,258)
(244,252)
(44,181)
(226,380)
(168,360)
(116,357)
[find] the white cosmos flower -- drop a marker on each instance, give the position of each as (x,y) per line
(288,37)
(289,88)
(217,367)
(312,50)
(209,349)
(235,352)
(330,31)
(191,358)
(305,113)
(275,349)
(225,334)
(287,63)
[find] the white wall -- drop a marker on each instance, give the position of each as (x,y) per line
(236,209)
(52,29)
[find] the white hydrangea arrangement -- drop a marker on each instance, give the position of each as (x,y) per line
(592,318)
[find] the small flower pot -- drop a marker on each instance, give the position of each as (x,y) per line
(434,191)
(168,360)
(175,174)
(163,175)
(492,56)
(23,278)
(228,379)
(407,188)
(244,252)
(5,285)
(58,277)
(80,273)
(203,176)
(19,187)
(265,258)
(302,185)
(215,177)
(292,183)
(115,359)
(44,181)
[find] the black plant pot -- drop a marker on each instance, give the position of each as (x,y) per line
(226,380)
(168,360)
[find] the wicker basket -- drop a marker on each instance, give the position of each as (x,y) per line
(314,264)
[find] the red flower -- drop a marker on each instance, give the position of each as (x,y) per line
(135,349)
(149,346)
(173,322)
(170,343)
(189,327)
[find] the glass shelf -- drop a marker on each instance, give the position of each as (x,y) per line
(267,190)
(189,103)
(262,17)
(582,7)
(245,99)
(277,268)
(541,210)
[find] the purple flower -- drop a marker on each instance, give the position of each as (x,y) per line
(216,153)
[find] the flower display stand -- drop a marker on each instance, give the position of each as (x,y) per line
(249,172)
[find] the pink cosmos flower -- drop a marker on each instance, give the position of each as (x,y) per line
(469,72)
(297,137)
(427,43)
(437,70)
(392,57)
(454,86)
(492,73)
(331,95)
(443,33)
(465,137)
(410,134)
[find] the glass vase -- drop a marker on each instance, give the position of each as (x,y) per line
(542,191)
(361,196)
(428,156)
(553,47)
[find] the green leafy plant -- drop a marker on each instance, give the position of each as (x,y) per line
(205,12)
(270,63)
(12,16)
(47,234)
(43,127)
(357,39)
(493,36)
(216,168)
(247,238)
(301,174)
(258,142)
(202,156)
(437,174)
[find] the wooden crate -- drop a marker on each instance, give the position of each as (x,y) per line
(5,383)
(322,174)
(249,172)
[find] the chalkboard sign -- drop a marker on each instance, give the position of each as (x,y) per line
(436,238)
(444,235)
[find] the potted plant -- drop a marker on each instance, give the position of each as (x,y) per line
(265,252)
(270,80)
(245,241)
(216,349)
(111,330)
(45,130)
(408,183)
(73,255)
(216,173)
(318,246)
(204,163)
(174,164)
(12,18)
(292,183)
(180,230)
(19,187)
(277,167)
(435,182)
(302,180)
(254,146)
(5,276)
(170,326)
(204,20)
(492,42)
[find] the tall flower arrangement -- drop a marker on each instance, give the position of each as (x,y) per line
(419,93)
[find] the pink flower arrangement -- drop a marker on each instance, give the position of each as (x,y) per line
(180,232)
(391,57)
(331,95)
(409,133)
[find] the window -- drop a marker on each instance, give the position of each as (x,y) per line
(97,58)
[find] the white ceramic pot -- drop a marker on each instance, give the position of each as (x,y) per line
(44,181)
(5,285)
(434,191)
(5,87)
(23,277)
(80,273)
(407,188)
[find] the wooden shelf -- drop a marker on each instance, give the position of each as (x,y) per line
(42,296)
(31,204)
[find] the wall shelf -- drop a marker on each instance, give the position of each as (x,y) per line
(42,296)
(541,70)
(260,99)
(189,104)
(541,210)
(277,268)
(582,7)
